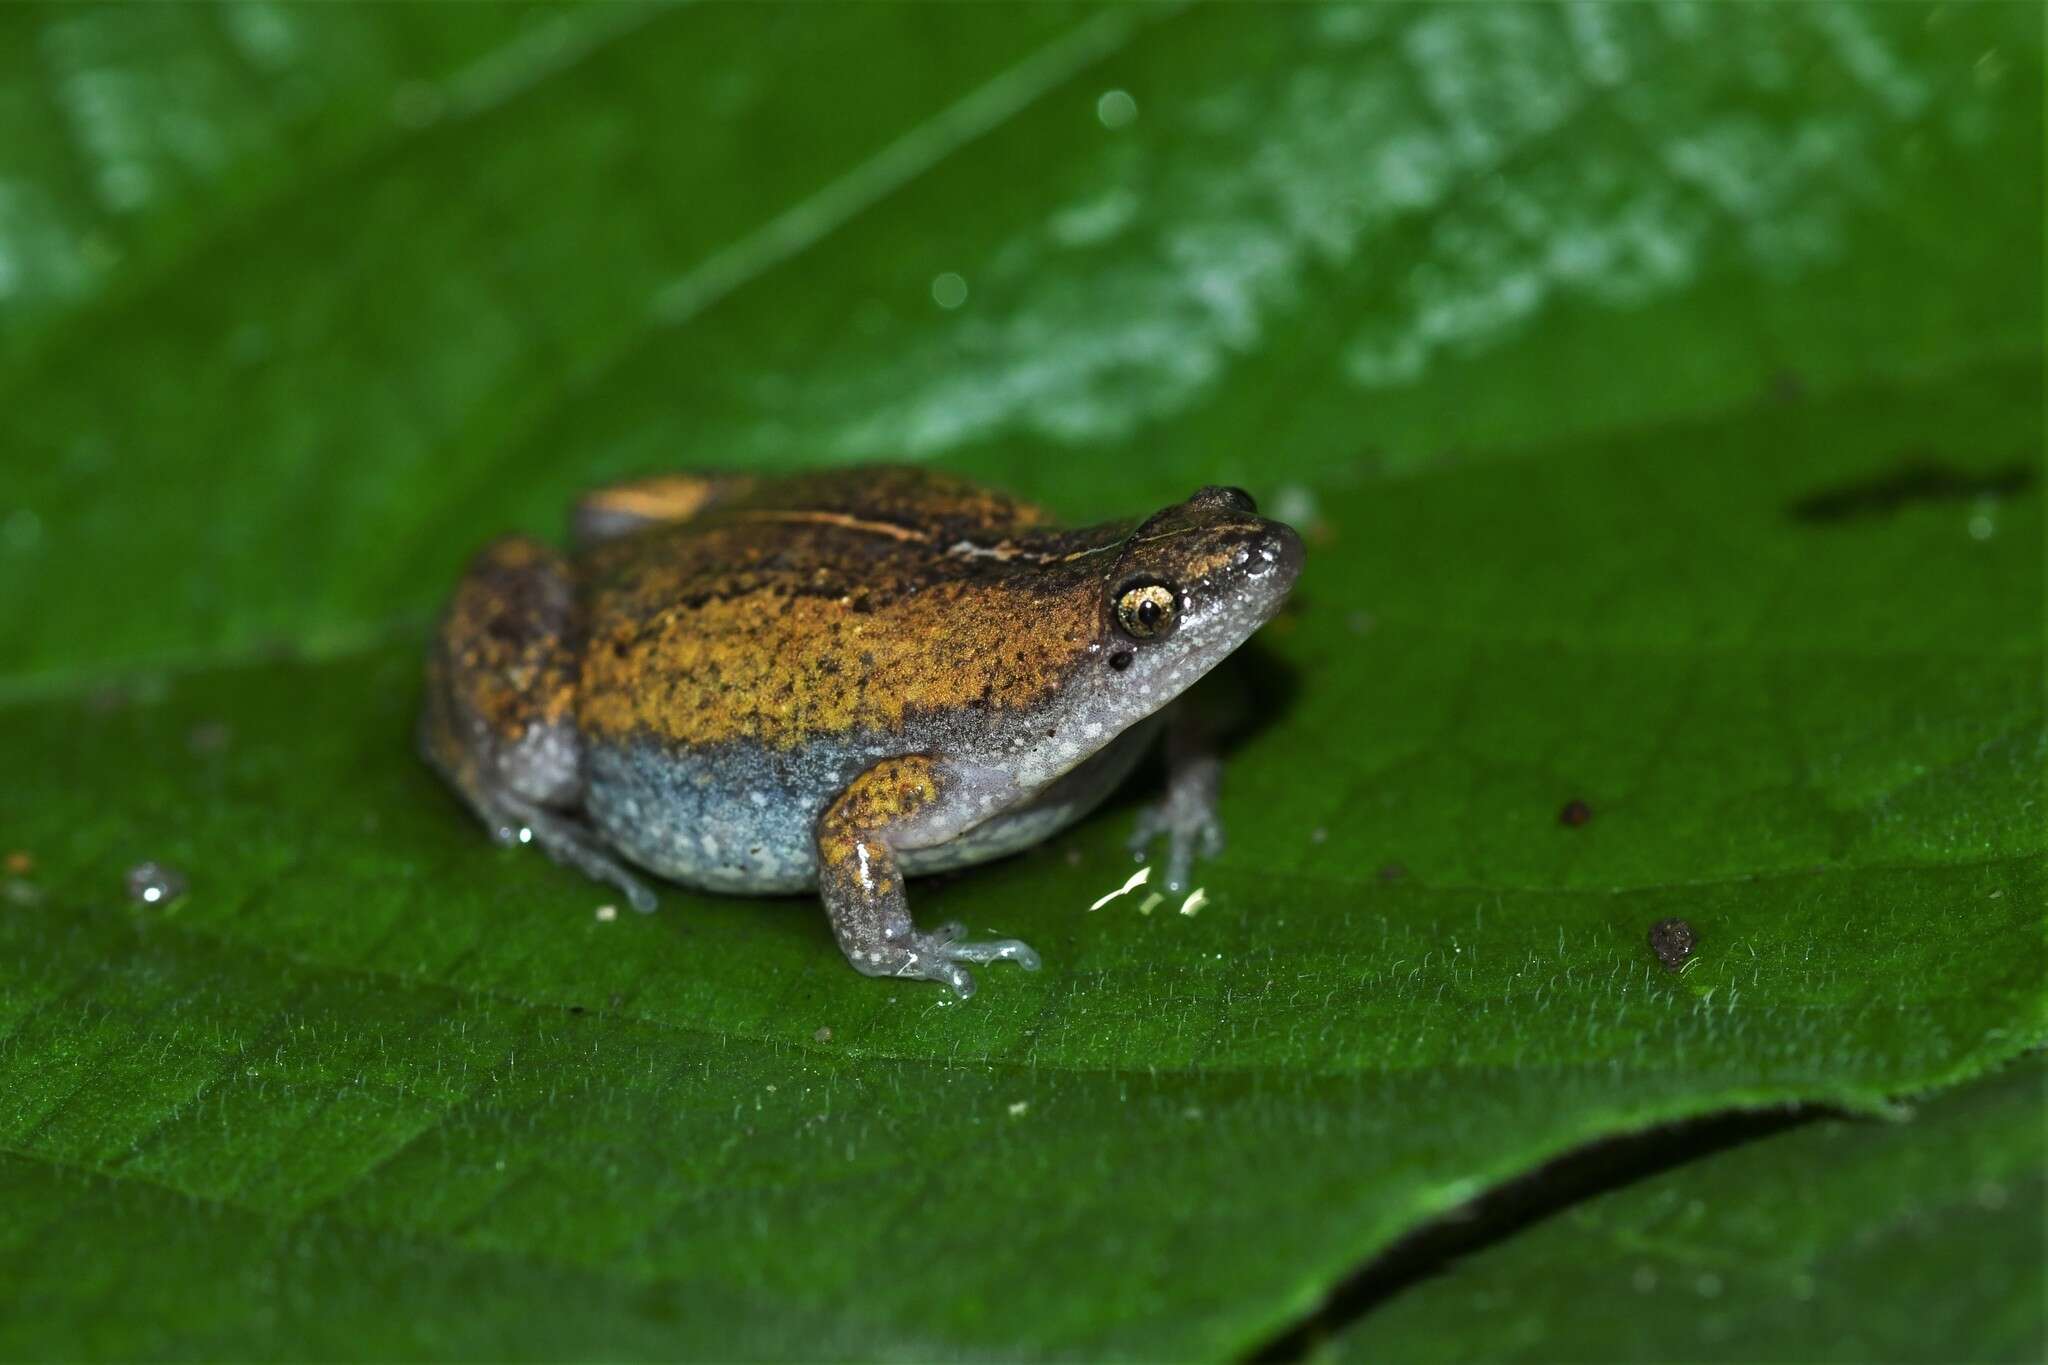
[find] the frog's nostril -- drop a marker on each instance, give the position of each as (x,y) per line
(1278,550)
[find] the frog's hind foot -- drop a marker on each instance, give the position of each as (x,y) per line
(567,841)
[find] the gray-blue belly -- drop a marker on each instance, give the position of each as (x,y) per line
(740,818)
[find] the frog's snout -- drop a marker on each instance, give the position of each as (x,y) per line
(1276,552)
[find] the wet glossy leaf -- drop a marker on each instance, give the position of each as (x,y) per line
(1660,389)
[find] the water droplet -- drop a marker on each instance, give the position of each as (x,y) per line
(949,290)
(151,883)
(1116,109)
(1981,526)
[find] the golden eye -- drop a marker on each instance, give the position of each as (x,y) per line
(1146,611)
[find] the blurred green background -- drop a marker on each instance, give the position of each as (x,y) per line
(1659,388)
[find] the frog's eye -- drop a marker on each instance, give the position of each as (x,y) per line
(1146,611)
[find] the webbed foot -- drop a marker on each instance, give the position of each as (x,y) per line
(567,841)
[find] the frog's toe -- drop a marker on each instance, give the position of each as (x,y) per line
(995,950)
(1184,846)
(928,960)
(1189,835)
(939,955)
(569,842)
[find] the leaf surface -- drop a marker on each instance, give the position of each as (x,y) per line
(1660,392)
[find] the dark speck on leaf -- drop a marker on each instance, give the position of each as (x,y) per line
(1393,872)
(209,737)
(1575,813)
(1672,941)
(577,1009)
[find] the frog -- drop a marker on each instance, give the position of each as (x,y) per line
(834,681)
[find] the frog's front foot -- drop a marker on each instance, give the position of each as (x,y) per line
(937,956)
(1186,817)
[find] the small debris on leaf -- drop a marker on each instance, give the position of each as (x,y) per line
(1575,813)
(1393,872)
(607,913)
(1197,898)
(209,737)
(1788,386)
(152,883)
(1020,1108)
(1137,879)
(1672,941)
(1150,903)
(823,1035)
(21,862)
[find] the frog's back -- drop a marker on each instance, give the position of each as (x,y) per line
(829,606)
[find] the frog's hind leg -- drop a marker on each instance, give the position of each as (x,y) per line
(661,500)
(862,882)
(499,721)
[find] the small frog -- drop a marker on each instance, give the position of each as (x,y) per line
(835,681)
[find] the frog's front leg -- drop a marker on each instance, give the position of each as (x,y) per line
(862,881)
(1186,814)
(499,720)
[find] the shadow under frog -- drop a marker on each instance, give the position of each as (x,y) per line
(837,681)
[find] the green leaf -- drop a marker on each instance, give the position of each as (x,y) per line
(1660,389)
(1916,1240)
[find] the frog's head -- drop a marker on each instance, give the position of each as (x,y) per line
(1190,585)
